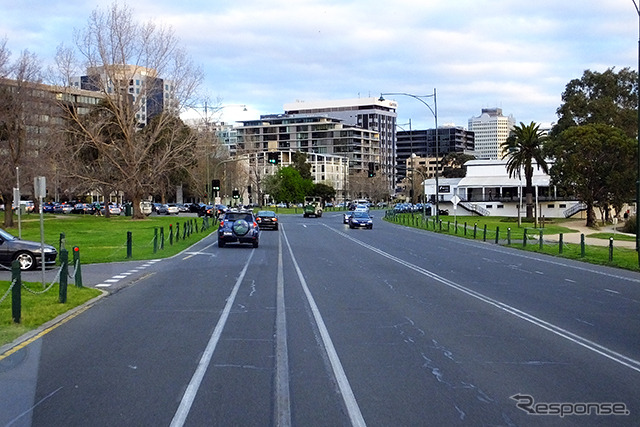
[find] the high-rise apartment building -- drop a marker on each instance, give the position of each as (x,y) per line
(148,93)
(491,129)
(368,114)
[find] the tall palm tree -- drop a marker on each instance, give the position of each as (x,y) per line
(522,148)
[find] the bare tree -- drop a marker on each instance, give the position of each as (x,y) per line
(25,112)
(135,138)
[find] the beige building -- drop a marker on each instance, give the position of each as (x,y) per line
(491,129)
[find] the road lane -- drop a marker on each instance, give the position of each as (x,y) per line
(427,330)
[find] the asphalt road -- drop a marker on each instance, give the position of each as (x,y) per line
(325,326)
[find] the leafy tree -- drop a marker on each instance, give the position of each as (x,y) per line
(610,98)
(326,192)
(454,164)
(524,146)
(300,164)
(288,186)
(596,162)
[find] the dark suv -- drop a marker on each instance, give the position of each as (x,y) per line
(238,226)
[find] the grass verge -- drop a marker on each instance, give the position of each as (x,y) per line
(509,234)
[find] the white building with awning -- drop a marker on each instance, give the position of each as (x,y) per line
(488,190)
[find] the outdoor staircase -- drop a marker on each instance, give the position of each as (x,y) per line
(475,208)
(578,207)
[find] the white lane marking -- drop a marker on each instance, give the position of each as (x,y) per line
(570,336)
(355,415)
(192,389)
(103,285)
(283,400)
(612,291)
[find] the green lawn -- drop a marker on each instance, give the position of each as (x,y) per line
(101,239)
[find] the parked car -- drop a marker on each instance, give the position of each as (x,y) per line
(27,253)
(48,207)
(160,209)
(360,219)
(172,209)
(238,226)
(64,208)
(267,219)
(146,207)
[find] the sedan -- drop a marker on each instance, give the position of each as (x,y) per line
(172,209)
(360,219)
(26,252)
(267,219)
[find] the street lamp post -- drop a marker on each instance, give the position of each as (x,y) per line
(433,111)
(638,169)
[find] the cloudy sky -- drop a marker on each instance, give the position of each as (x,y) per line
(514,54)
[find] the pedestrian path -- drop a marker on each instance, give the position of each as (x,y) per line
(581,228)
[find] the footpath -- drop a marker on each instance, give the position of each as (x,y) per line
(581,228)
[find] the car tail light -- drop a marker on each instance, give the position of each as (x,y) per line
(255,224)
(222,223)
(258,218)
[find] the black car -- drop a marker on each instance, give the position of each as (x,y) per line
(360,219)
(238,226)
(267,219)
(26,252)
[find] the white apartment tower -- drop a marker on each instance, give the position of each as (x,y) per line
(369,114)
(491,129)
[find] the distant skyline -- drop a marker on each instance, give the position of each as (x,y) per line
(517,55)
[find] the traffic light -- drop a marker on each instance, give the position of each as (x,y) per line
(236,193)
(249,189)
(371,170)
(273,157)
(215,184)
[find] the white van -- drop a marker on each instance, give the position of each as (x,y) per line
(146,207)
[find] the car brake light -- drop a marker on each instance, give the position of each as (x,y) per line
(254,224)
(222,223)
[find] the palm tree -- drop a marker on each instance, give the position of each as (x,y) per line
(522,148)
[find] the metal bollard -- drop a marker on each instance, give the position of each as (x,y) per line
(541,241)
(16,296)
(560,243)
(171,234)
(129,244)
(509,236)
(582,245)
(610,249)
(62,242)
(177,231)
(161,237)
(77,275)
(484,234)
(497,234)
(155,239)
(64,271)
(524,238)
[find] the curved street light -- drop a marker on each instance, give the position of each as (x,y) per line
(433,111)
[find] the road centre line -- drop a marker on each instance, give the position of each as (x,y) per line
(355,415)
(192,389)
(570,336)
(283,400)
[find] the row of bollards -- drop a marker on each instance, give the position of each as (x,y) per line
(16,281)
(417,221)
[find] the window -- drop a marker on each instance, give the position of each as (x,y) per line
(551,206)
